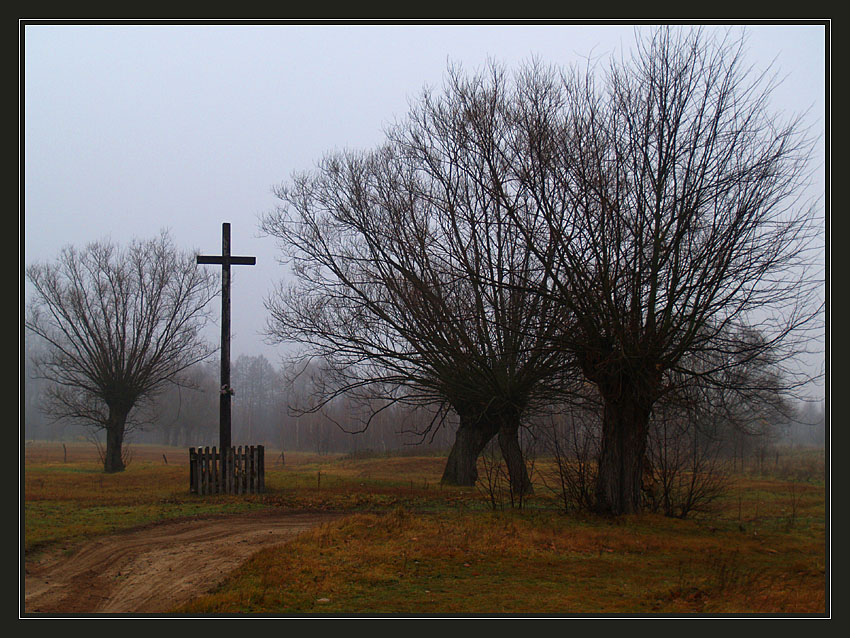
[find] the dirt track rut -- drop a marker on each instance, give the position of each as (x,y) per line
(154,569)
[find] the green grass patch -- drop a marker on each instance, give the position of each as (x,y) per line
(52,522)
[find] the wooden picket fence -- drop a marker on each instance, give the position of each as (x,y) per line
(242,472)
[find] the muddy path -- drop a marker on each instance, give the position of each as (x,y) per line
(155,568)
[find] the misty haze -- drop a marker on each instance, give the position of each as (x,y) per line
(424,319)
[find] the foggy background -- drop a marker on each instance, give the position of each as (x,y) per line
(128,129)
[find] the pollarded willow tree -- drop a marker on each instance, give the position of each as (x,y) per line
(119,324)
(411,280)
(670,218)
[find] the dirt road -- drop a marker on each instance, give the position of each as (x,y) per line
(153,569)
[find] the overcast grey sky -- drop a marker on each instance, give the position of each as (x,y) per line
(133,128)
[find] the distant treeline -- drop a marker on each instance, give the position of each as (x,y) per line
(187,415)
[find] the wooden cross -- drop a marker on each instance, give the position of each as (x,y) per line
(225,260)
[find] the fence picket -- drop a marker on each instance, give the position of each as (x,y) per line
(205,470)
(239,470)
(201,471)
(215,471)
(247,470)
(192,489)
(231,468)
(261,479)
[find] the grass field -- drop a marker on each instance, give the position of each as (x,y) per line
(410,546)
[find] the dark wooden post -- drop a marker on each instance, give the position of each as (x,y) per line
(225,260)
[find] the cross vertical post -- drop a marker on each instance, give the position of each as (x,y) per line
(225,394)
(225,260)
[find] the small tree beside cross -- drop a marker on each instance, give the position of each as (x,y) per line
(119,324)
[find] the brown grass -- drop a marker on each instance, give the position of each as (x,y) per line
(524,563)
(411,546)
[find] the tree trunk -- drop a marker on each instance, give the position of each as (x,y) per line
(112,460)
(512,454)
(624,432)
(471,439)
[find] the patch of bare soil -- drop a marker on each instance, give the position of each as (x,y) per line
(154,569)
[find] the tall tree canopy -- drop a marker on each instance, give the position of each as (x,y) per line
(669,215)
(412,279)
(119,324)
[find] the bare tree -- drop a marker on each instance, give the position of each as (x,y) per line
(669,216)
(119,324)
(412,281)
(684,469)
(687,461)
(570,436)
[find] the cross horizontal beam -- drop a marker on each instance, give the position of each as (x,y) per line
(227,259)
